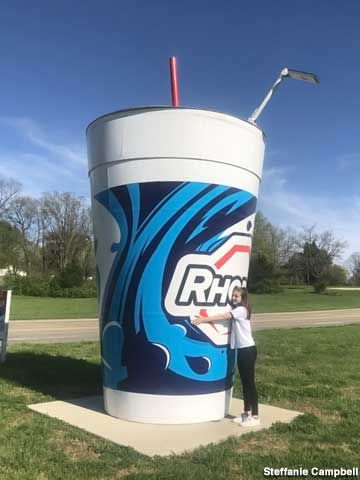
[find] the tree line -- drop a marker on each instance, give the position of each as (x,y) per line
(305,257)
(50,239)
(46,238)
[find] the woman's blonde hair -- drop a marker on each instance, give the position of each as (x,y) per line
(244,299)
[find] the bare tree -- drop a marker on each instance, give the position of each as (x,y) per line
(67,228)
(11,257)
(353,265)
(274,242)
(324,241)
(272,248)
(23,214)
(9,188)
(333,247)
(307,235)
(315,255)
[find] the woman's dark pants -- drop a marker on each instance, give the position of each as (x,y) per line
(246,358)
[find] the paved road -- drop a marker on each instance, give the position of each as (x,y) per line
(323,318)
(50,331)
(53,331)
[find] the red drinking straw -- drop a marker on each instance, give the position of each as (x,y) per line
(174,82)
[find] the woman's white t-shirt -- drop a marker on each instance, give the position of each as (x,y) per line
(240,335)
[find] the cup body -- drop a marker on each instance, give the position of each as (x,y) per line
(174,194)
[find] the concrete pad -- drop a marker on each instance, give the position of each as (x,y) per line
(88,414)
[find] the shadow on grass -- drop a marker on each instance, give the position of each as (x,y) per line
(58,376)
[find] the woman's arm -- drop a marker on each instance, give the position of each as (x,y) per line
(213,318)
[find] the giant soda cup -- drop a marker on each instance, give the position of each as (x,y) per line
(174,194)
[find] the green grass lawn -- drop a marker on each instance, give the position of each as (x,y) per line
(315,371)
(291,299)
(26,308)
(303,298)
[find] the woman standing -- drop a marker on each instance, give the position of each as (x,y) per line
(241,339)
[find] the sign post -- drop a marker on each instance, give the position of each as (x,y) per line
(5,300)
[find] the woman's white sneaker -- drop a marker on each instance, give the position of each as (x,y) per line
(240,419)
(250,422)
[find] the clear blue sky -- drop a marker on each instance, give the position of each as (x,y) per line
(63,63)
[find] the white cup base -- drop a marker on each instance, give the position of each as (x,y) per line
(167,409)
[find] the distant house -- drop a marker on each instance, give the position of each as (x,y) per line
(9,269)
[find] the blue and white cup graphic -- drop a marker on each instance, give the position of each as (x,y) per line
(174,196)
